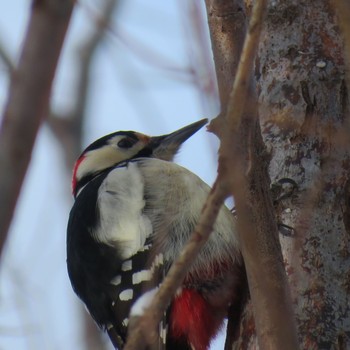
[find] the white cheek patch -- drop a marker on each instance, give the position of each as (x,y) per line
(99,159)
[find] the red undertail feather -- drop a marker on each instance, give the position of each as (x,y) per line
(194,318)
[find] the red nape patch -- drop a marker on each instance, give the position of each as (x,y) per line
(194,319)
(74,178)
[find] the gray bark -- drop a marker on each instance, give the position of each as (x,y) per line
(304,116)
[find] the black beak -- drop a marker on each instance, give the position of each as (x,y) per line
(166,146)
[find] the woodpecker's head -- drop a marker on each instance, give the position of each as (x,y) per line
(120,146)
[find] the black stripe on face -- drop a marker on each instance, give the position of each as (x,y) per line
(104,140)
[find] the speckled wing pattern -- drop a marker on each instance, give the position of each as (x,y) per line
(132,281)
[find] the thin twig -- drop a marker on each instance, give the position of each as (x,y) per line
(139,49)
(199,54)
(6,58)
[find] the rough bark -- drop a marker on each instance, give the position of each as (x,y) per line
(243,159)
(28,99)
(304,111)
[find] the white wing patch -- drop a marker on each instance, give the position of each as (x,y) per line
(120,203)
(141,276)
(127,265)
(126,294)
(116,280)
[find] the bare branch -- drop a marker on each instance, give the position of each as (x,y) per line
(28,99)
(199,54)
(227,24)
(6,58)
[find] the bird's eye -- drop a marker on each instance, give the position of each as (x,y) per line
(126,142)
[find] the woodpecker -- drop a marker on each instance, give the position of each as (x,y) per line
(134,210)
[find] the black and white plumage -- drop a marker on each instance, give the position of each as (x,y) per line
(134,210)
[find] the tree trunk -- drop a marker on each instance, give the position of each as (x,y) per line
(304,116)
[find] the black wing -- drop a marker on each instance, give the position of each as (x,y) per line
(106,284)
